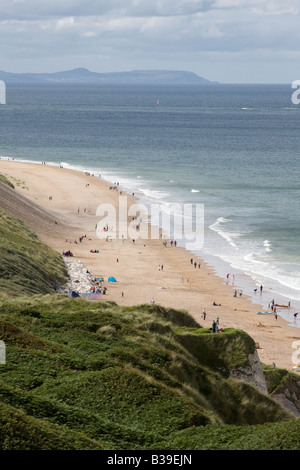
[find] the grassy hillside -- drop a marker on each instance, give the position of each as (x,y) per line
(119,378)
(27,265)
(94,375)
(5,180)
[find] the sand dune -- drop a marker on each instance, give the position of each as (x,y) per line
(29,212)
(60,205)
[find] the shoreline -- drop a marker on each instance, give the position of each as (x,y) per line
(135,265)
(248,282)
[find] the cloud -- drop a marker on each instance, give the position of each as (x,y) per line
(136,32)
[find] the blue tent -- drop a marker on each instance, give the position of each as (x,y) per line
(112,279)
(73,294)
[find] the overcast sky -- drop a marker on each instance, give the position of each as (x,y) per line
(230,41)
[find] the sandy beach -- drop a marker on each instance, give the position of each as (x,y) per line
(68,201)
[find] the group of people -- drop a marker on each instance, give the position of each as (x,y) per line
(215,326)
(67,253)
(215,323)
(235,294)
(97,286)
(75,241)
(195,263)
(274,306)
(99,290)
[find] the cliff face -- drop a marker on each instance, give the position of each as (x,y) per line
(284,387)
(289,398)
(252,373)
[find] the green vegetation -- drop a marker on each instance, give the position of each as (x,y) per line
(27,265)
(5,180)
(119,378)
(95,375)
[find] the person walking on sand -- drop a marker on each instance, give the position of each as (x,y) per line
(204,314)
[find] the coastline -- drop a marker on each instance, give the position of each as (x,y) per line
(75,198)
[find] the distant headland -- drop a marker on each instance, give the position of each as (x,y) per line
(84,76)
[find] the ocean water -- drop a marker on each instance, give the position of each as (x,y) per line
(231,149)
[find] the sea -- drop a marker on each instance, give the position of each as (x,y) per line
(231,151)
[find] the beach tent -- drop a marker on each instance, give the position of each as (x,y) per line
(112,279)
(74,294)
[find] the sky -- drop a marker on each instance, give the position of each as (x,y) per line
(229,41)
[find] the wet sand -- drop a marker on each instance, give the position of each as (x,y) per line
(68,201)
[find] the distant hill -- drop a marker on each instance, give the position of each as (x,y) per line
(82,76)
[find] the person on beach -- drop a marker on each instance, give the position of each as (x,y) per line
(192,260)
(199,264)
(204,314)
(213,326)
